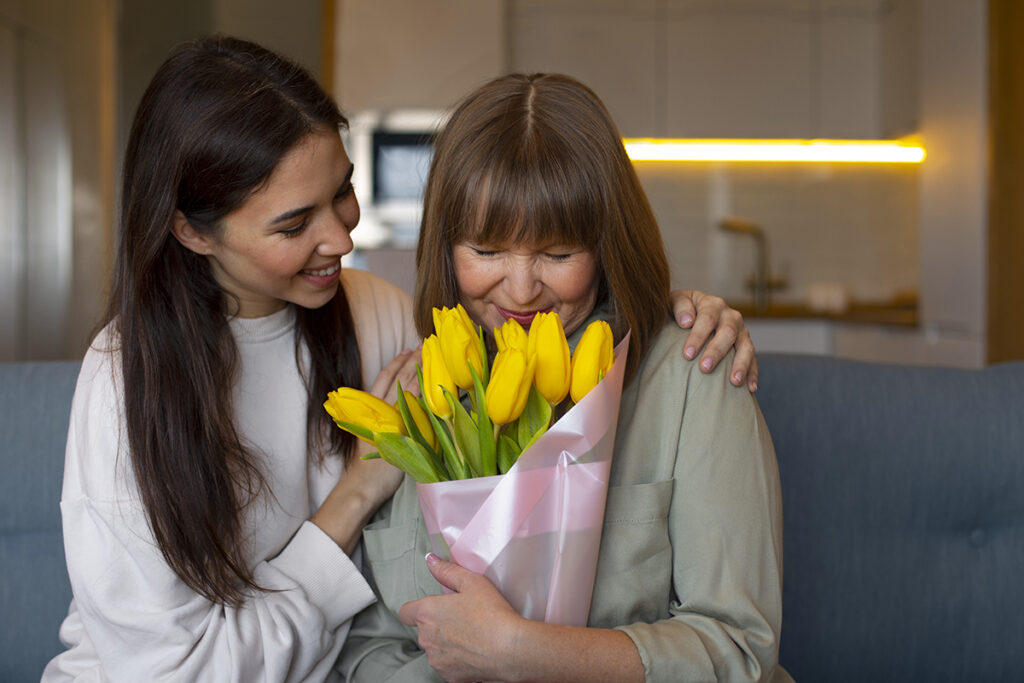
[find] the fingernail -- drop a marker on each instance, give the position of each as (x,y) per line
(753,385)
(706,364)
(737,378)
(685,319)
(432,559)
(689,352)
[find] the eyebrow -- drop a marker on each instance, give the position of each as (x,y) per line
(288,215)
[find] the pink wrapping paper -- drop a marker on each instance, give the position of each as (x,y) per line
(535,531)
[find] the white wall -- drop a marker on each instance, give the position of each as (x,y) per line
(952,110)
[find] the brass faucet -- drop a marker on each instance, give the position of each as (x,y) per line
(761,283)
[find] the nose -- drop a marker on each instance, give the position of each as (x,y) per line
(522,284)
(336,239)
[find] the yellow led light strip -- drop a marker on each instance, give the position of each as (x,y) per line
(865,151)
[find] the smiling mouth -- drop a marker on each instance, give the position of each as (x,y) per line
(524,318)
(325,272)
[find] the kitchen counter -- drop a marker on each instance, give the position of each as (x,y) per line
(899,312)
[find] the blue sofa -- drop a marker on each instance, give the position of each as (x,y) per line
(903,493)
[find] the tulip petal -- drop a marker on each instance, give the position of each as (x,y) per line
(356,430)
(459,344)
(507,391)
(511,334)
(435,377)
(360,408)
(547,342)
(592,359)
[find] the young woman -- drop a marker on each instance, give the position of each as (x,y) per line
(211,510)
(532,204)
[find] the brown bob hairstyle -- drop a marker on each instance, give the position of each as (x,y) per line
(536,159)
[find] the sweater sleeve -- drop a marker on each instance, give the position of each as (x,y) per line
(147,624)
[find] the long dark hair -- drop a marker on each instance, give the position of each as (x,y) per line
(537,159)
(214,122)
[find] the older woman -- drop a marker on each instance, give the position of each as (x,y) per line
(532,205)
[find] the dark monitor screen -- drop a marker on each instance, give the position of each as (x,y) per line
(401,162)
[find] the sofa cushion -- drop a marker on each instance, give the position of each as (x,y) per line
(903,496)
(35,404)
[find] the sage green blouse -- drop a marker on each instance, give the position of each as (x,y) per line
(690,566)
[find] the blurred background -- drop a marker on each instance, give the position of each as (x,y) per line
(914,263)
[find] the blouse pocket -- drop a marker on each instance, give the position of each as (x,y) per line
(634,571)
(397,563)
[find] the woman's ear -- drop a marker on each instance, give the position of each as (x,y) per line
(189,237)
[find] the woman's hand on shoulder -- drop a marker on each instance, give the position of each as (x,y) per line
(716,327)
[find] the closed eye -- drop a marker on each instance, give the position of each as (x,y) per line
(344,192)
(294,232)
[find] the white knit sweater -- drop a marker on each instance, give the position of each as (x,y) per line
(132,618)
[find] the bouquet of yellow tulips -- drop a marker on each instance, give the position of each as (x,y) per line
(541,422)
(512,402)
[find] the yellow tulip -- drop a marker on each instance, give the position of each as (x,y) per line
(438,313)
(592,358)
(420,418)
(511,378)
(459,344)
(364,410)
(547,342)
(511,334)
(436,376)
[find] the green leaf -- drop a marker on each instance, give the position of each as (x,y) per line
(411,427)
(409,456)
(456,467)
(485,370)
(484,430)
(466,440)
(535,420)
(536,435)
(358,430)
(370,456)
(508,453)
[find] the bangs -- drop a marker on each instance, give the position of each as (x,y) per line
(523,198)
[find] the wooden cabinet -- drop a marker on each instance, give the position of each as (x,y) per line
(610,45)
(407,53)
(737,72)
(728,68)
(665,68)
